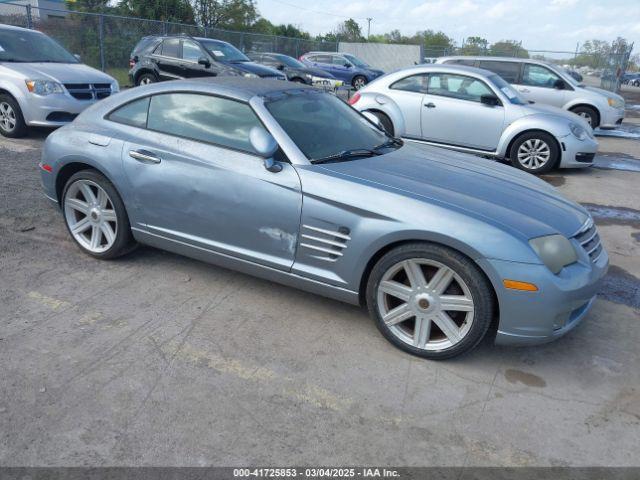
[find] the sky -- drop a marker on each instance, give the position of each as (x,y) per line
(539,24)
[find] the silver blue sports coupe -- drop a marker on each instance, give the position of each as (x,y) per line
(291,184)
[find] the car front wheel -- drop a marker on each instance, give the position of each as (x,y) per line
(12,122)
(429,300)
(146,79)
(95,215)
(535,152)
(589,114)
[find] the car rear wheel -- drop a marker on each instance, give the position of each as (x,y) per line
(589,114)
(358,82)
(12,122)
(146,79)
(429,300)
(535,152)
(95,216)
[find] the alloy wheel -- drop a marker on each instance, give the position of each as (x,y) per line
(90,215)
(534,153)
(146,81)
(586,116)
(425,304)
(7,117)
(359,82)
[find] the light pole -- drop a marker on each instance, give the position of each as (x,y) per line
(369,27)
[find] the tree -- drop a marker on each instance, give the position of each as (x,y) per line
(474,46)
(88,5)
(349,31)
(434,43)
(232,14)
(167,10)
(508,48)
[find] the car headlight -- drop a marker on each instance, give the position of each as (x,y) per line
(308,76)
(249,75)
(615,102)
(115,88)
(555,251)
(578,132)
(44,87)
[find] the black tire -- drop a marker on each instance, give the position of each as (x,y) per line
(386,122)
(636,83)
(124,241)
(589,114)
(477,283)
(14,126)
(359,81)
(146,77)
(549,140)
(298,80)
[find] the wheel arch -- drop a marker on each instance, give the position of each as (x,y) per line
(375,102)
(142,71)
(72,167)
(13,92)
(515,137)
(587,105)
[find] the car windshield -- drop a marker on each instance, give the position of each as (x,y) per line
(21,46)
(224,52)
(356,61)
(507,90)
(565,76)
(323,126)
(290,61)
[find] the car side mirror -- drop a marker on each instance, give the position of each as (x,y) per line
(490,100)
(204,61)
(560,84)
(77,57)
(280,66)
(266,146)
(348,65)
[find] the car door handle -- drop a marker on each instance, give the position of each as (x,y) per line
(524,90)
(430,105)
(144,156)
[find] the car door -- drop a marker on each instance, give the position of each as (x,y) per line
(196,180)
(339,68)
(407,93)
(452,112)
(324,62)
(191,53)
(167,58)
(538,84)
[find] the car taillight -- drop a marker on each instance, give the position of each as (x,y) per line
(353,100)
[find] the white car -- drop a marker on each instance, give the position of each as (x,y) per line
(41,84)
(476,111)
(543,82)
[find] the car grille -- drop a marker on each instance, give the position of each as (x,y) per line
(88,91)
(590,240)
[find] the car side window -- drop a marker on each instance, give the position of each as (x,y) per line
(412,83)
(191,51)
(337,60)
(170,47)
(457,86)
(204,118)
(460,61)
(509,71)
(321,59)
(133,113)
(538,76)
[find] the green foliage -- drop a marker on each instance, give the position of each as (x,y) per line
(508,48)
(474,46)
(179,11)
(230,14)
(349,31)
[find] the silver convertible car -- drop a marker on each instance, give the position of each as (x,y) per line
(474,110)
(291,184)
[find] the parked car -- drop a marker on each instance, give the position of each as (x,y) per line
(544,82)
(474,110)
(42,84)
(631,79)
(574,74)
(295,70)
(295,186)
(343,66)
(158,58)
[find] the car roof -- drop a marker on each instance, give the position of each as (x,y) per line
(447,68)
(4,26)
(496,59)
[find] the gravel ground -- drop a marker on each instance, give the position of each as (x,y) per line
(156,359)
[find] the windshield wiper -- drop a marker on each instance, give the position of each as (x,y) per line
(394,142)
(346,154)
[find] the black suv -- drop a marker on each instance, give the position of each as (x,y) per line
(158,58)
(295,70)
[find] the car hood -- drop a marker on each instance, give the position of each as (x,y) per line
(605,93)
(256,68)
(60,72)
(498,194)
(538,108)
(375,72)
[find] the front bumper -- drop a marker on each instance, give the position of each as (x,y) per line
(611,117)
(326,83)
(52,110)
(560,304)
(577,153)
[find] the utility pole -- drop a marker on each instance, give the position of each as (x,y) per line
(369,27)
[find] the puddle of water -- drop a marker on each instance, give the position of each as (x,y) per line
(614,162)
(623,131)
(606,215)
(620,286)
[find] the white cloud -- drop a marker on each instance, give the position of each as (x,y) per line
(560,4)
(444,8)
(501,9)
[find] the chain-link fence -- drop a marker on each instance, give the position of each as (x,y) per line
(105,41)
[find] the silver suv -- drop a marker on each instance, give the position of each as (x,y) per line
(543,82)
(41,84)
